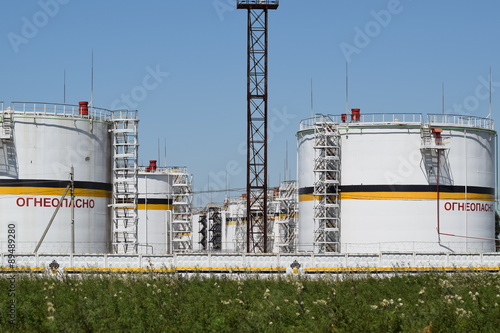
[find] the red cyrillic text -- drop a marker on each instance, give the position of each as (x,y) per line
(54,202)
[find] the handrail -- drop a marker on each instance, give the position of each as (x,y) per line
(374,118)
(460,120)
(401,118)
(62,110)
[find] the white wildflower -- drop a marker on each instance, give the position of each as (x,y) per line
(320,302)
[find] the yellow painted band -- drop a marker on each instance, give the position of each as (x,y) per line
(201,269)
(392,269)
(404,196)
(257,269)
(53,191)
(274,269)
(8,269)
(97,269)
(154,207)
(252,269)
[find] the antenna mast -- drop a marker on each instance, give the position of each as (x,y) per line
(490,110)
(257,121)
(92,82)
(64,88)
(346,87)
(442,98)
(312,99)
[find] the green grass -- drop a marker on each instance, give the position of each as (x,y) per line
(465,302)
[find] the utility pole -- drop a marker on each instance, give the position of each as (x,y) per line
(72,193)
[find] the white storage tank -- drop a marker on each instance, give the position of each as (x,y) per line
(396,182)
(154,209)
(39,145)
(235,225)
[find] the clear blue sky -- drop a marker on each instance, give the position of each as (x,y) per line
(399,54)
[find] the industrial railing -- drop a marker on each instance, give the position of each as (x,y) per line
(460,120)
(123,114)
(390,118)
(373,118)
(60,110)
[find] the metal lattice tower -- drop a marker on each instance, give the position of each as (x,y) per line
(326,186)
(124,204)
(257,96)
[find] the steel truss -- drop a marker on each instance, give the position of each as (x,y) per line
(257,97)
(124,204)
(326,187)
(182,204)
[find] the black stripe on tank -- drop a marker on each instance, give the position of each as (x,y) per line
(150,201)
(407,188)
(54,184)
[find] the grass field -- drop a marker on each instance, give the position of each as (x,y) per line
(434,302)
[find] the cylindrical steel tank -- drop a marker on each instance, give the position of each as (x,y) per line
(154,209)
(234,217)
(40,143)
(405,182)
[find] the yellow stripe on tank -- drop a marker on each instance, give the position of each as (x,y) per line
(154,207)
(404,196)
(53,191)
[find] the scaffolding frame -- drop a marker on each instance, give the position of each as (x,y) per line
(215,229)
(6,130)
(125,192)
(327,145)
(182,204)
(287,221)
(241,228)
(203,231)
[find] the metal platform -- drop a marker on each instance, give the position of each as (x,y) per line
(258,4)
